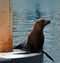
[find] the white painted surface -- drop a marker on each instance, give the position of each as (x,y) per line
(13,55)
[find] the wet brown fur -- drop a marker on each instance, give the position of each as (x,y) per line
(35,39)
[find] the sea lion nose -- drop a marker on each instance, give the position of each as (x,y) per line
(48,21)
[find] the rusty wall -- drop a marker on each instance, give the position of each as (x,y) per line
(5,26)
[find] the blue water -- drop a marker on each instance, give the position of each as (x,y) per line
(25,13)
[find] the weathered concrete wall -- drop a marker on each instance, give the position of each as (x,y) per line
(5,26)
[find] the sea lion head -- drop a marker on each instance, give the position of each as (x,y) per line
(41,23)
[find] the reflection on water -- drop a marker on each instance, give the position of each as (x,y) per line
(25,12)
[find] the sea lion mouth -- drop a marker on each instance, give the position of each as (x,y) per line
(47,22)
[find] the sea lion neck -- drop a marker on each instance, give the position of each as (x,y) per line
(37,31)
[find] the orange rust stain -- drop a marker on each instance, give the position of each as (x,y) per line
(6,46)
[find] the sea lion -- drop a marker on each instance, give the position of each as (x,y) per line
(35,39)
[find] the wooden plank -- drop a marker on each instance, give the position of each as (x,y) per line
(5,26)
